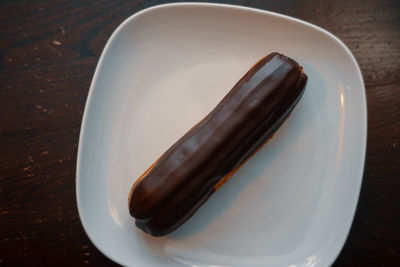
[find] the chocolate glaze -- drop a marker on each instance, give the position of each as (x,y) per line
(185,176)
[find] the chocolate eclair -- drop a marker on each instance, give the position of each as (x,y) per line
(185,176)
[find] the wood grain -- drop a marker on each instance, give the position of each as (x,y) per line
(49,50)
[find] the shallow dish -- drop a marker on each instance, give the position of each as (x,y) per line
(162,71)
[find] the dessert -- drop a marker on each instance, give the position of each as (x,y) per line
(192,169)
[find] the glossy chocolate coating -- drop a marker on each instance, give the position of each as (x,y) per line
(185,176)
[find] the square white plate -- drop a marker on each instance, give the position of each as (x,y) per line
(163,70)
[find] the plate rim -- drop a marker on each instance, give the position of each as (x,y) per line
(363,102)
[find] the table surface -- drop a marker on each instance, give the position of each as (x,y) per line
(49,51)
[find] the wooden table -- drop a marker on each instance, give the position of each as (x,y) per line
(49,51)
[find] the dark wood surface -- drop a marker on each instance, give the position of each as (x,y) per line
(49,51)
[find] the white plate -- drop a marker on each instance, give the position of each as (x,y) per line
(163,70)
